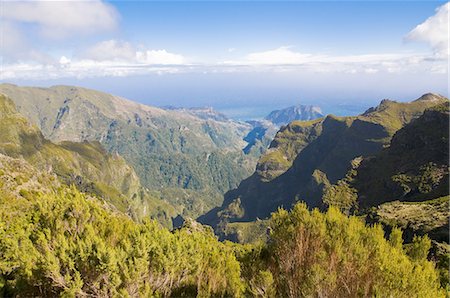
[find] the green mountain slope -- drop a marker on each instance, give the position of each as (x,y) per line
(306,158)
(413,168)
(407,182)
(86,165)
(169,149)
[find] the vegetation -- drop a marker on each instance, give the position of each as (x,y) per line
(415,165)
(341,195)
(331,255)
(76,220)
(310,161)
(196,150)
(57,241)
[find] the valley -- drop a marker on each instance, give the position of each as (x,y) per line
(83,160)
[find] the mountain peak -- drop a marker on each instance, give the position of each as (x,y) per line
(297,112)
(430,97)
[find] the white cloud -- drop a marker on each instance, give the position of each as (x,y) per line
(64,60)
(159,57)
(67,68)
(117,58)
(15,46)
(279,56)
(434,31)
(115,50)
(286,59)
(60,19)
(106,58)
(110,50)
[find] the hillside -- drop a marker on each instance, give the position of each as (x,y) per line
(413,168)
(56,241)
(306,158)
(86,165)
(429,217)
(206,113)
(189,156)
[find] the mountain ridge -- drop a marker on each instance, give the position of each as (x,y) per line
(305,158)
(169,150)
(85,165)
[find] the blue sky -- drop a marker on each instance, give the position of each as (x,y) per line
(244,58)
(212,28)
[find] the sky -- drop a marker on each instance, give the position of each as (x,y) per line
(243,58)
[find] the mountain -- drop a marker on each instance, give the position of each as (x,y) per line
(64,232)
(263,132)
(86,165)
(298,112)
(259,137)
(413,168)
(406,184)
(187,159)
(307,157)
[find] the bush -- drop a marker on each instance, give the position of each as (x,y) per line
(64,243)
(332,255)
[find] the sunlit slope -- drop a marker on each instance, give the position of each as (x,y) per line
(86,165)
(306,158)
(169,149)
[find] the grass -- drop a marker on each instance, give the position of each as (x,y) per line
(424,216)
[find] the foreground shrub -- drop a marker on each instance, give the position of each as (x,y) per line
(63,243)
(332,255)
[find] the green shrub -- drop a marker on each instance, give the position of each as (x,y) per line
(64,243)
(332,255)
